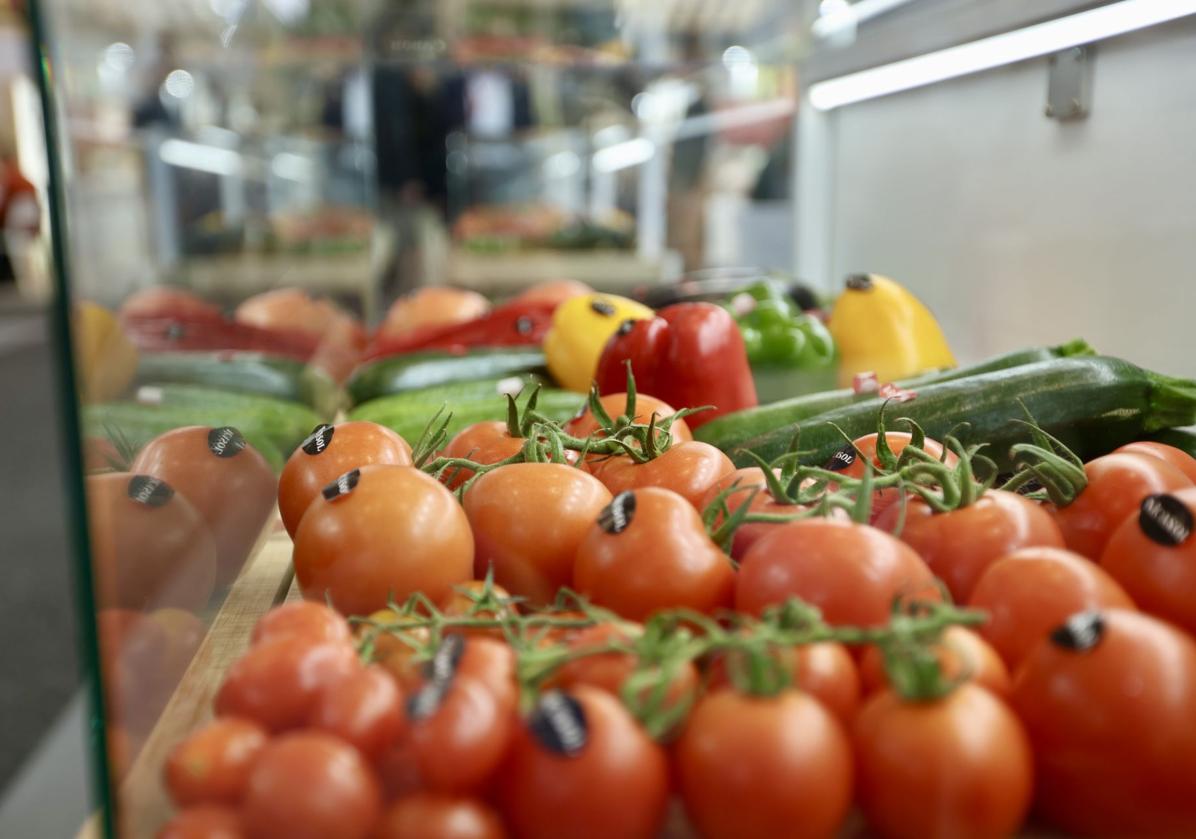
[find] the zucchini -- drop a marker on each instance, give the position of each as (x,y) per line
(411,371)
(245,372)
(731,430)
(429,399)
(1092,404)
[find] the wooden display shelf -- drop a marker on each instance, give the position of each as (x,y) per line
(143,805)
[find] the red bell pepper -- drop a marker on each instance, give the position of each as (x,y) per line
(690,354)
(517,323)
(168,333)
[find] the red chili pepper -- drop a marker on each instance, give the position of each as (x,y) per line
(690,354)
(156,333)
(515,324)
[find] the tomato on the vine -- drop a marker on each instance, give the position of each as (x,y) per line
(582,767)
(649,550)
(959,765)
(960,652)
(212,765)
(852,572)
(1117,483)
(329,452)
(1153,555)
(958,545)
(467,601)
(1030,592)
(528,520)
(311,785)
(1108,701)
(745,481)
(207,821)
(432,816)
(615,405)
(850,461)
(1178,458)
(825,670)
(364,708)
(759,767)
(382,533)
(483,442)
(688,469)
(302,619)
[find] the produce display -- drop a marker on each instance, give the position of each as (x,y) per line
(582,584)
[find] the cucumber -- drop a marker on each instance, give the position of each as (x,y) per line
(245,372)
(1092,404)
(732,430)
(408,418)
(428,399)
(291,419)
(412,371)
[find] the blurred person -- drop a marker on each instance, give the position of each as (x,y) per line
(20,214)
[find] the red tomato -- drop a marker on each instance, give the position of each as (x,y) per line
(311,785)
(395,532)
(276,683)
(745,480)
(431,816)
(582,768)
(759,767)
(959,651)
(167,301)
(1178,458)
(205,822)
(184,634)
(825,670)
(364,708)
(1117,483)
(1153,555)
(1108,701)
(956,766)
(134,653)
(394,655)
(492,663)
(459,729)
(688,469)
(212,765)
(615,405)
(532,555)
(649,551)
(1030,592)
(149,547)
(303,619)
(959,545)
(329,452)
(229,484)
(483,442)
(852,572)
(849,461)
(464,602)
(554,291)
(432,306)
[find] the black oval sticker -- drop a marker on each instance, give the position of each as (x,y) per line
(343,485)
(559,723)
(1165,519)
(1080,633)
(442,666)
(602,307)
(427,700)
(319,439)
(842,459)
(225,441)
(150,491)
(617,515)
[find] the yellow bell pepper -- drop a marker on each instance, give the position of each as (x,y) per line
(581,326)
(105,359)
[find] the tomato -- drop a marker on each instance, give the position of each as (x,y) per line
(184,634)
(149,547)
(1108,701)
(302,619)
(134,656)
(1153,555)
(581,767)
(852,572)
(824,669)
(1030,592)
(959,651)
(649,551)
(955,766)
(207,822)
(364,708)
(1117,483)
(169,301)
(528,520)
(960,544)
(311,785)
(764,766)
(276,682)
(459,730)
(395,656)
(227,481)
(430,816)
(615,405)
(465,602)
(554,291)
(396,532)
(850,461)
(745,480)
(1178,458)
(432,306)
(211,766)
(483,442)
(329,452)
(688,469)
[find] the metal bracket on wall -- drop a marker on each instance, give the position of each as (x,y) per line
(1069,84)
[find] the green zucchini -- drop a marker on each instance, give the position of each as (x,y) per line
(245,372)
(1092,404)
(412,371)
(731,430)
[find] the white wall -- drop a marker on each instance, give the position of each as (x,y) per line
(1019,229)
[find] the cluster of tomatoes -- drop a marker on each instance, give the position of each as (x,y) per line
(684,679)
